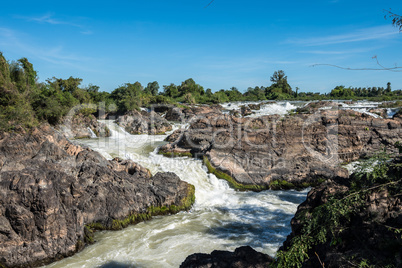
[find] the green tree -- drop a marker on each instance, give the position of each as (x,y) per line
(190,86)
(279,89)
(128,97)
(69,85)
(30,74)
(388,89)
(152,88)
(341,92)
(170,91)
(280,80)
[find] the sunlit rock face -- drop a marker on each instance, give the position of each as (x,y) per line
(50,189)
(300,149)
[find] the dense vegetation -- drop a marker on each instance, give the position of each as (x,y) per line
(25,102)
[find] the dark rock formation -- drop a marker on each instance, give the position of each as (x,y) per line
(255,106)
(51,189)
(314,106)
(245,110)
(367,231)
(187,114)
(242,257)
(379,111)
(151,123)
(80,126)
(288,152)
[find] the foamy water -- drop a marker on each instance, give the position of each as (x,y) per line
(281,108)
(221,217)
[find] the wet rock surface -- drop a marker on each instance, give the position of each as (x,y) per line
(143,122)
(80,126)
(50,189)
(301,149)
(242,257)
(185,115)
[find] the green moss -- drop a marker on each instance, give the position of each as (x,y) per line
(232,182)
(117,224)
(175,154)
(131,219)
(281,185)
(81,137)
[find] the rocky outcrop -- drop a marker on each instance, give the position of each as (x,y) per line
(349,223)
(242,257)
(54,193)
(80,126)
(185,115)
(143,122)
(314,106)
(284,152)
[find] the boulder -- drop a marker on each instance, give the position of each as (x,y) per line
(242,257)
(80,126)
(285,152)
(143,122)
(54,193)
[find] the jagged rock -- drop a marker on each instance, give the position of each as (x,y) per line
(301,149)
(379,111)
(187,114)
(242,257)
(369,233)
(80,126)
(50,189)
(314,106)
(255,106)
(151,123)
(245,110)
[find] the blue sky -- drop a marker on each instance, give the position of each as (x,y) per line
(229,43)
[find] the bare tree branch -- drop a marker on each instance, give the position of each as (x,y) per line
(396,19)
(209,4)
(383,68)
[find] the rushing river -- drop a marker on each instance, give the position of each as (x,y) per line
(221,217)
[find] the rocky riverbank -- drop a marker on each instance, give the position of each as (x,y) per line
(54,193)
(350,223)
(276,152)
(82,126)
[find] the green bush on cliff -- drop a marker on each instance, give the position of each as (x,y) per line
(327,222)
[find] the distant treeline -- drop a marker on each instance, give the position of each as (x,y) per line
(25,102)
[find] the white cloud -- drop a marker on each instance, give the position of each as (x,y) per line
(366,34)
(11,40)
(338,52)
(50,19)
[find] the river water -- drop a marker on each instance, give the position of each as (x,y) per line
(221,217)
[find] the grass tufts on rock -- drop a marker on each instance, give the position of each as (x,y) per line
(232,182)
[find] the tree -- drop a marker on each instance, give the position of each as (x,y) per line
(152,88)
(170,90)
(128,97)
(69,85)
(190,86)
(280,81)
(388,89)
(30,74)
(341,92)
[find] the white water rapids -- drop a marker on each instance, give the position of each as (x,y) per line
(221,217)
